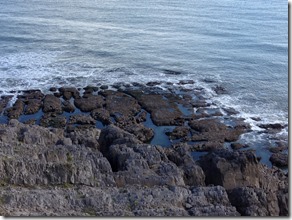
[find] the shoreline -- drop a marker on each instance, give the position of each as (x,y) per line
(137,150)
(29,107)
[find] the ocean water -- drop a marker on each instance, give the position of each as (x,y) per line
(240,45)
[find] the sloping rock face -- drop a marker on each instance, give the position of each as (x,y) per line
(51,172)
(253,189)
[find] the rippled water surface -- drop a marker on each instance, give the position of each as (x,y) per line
(241,45)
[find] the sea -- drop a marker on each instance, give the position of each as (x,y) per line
(241,46)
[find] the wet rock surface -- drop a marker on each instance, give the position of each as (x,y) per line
(61,164)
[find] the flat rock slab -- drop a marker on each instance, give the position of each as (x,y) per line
(52,104)
(163,110)
(121,106)
(16,110)
(90,103)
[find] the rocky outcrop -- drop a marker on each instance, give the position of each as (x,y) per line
(246,181)
(279,159)
(16,110)
(52,104)
(90,103)
(65,166)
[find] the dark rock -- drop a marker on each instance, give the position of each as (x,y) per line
(68,107)
(16,110)
(172,72)
(230,111)
(51,120)
(114,135)
(53,89)
(214,131)
(278,149)
(32,94)
(81,119)
(204,146)
(90,89)
(121,106)
(33,106)
(256,118)
(220,90)
(90,103)
(184,82)
(104,87)
(153,83)
(254,201)
(102,115)
(163,110)
(279,159)
(141,117)
(67,95)
(200,103)
(283,202)
(179,132)
(193,174)
(57,94)
(52,104)
(69,92)
(276,126)
(231,169)
(143,133)
(237,146)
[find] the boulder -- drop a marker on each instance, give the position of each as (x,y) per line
(102,115)
(279,159)
(81,119)
(68,107)
(251,201)
(69,92)
(90,103)
(52,120)
(16,110)
(33,106)
(52,104)
(231,169)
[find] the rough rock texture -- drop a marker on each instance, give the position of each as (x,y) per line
(121,106)
(69,92)
(68,167)
(68,107)
(102,115)
(4,102)
(16,110)
(53,120)
(246,181)
(90,103)
(52,104)
(279,159)
(81,119)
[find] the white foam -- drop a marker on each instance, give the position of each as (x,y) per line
(45,69)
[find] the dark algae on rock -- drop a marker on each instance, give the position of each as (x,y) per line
(92,152)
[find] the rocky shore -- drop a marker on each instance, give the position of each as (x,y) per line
(133,150)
